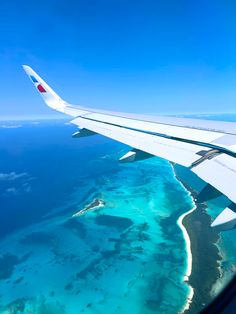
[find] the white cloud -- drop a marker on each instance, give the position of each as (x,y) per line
(17,183)
(11,190)
(25,188)
(9,126)
(11,176)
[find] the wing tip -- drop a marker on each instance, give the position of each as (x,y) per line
(26,68)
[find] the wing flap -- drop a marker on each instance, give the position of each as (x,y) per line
(174,151)
(219,172)
(226,220)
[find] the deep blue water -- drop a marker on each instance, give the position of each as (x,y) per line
(53,165)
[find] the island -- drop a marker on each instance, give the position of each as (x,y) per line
(96,203)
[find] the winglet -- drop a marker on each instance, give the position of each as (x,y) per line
(47,93)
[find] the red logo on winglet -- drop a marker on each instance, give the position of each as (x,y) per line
(41,89)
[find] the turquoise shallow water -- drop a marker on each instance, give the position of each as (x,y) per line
(128,256)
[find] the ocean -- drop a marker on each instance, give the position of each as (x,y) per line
(128,256)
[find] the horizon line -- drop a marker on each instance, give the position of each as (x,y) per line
(64,117)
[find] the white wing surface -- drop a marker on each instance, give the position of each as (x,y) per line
(208,148)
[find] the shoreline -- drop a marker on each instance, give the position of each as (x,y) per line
(187,240)
(189,258)
(203,254)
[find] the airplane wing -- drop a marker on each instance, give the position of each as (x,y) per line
(208,148)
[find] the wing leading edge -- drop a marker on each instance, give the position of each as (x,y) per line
(206,147)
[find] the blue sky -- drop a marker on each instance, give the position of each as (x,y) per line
(135,56)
